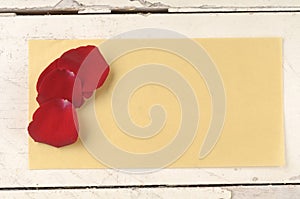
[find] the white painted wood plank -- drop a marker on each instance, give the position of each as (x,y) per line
(27,4)
(15,32)
(212,193)
(192,3)
(239,192)
(226,3)
(265,192)
(86,6)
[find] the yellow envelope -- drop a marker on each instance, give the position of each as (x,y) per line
(248,69)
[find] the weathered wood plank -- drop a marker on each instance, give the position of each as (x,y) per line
(239,192)
(122,193)
(106,6)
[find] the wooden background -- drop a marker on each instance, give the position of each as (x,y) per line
(85,19)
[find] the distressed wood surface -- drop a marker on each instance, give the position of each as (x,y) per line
(265,192)
(16,31)
(235,192)
(106,6)
(216,193)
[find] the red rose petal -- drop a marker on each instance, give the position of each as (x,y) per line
(61,84)
(93,67)
(87,94)
(73,59)
(70,60)
(93,71)
(76,56)
(54,123)
(42,76)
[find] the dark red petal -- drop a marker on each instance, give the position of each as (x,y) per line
(103,77)
(78,54)
(54,123)
(61,84)
(72,59)
(87,94)
(93,71)
(42,76)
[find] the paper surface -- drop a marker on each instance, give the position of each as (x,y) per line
(252,135)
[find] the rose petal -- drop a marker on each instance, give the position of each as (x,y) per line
(93,68)
(87,94)
(72,59)
(42,76)
(61,84)
(54,123)
(77,55)
(93,71)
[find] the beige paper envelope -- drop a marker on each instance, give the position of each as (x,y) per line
(252,134)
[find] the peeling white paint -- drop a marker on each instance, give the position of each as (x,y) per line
(105,6)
